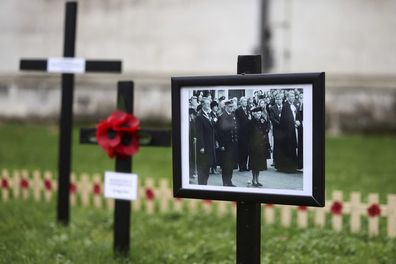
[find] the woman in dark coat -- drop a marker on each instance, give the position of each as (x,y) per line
(265,116)
(258,144)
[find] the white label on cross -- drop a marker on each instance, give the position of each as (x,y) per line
(120,185)
(66,65)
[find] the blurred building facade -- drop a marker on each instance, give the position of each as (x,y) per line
(351,41)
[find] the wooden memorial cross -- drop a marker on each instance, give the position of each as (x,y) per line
(67,66)
(147,137)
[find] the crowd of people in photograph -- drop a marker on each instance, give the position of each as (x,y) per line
(243,133)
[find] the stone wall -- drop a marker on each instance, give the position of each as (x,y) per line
(34,97)
(361,104)
(352,104)
(150,36)
(353,37)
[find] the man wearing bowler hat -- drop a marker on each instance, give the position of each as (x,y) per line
(227,129)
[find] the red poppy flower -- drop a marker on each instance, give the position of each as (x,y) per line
(128,146)
(24,184)
(73,187)
(302,208)
(374,210)
(118,135)
(126,122)
(4,184)
(96,189)
(208,202)
(336,208)
(48,185)
(150,194)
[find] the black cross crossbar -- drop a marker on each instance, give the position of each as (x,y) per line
(105,66)
(147,137)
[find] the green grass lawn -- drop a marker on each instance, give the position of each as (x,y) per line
(361,163)
(28,233)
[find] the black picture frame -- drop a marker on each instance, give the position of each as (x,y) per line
(312,84)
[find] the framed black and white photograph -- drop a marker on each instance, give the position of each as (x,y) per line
(255,137)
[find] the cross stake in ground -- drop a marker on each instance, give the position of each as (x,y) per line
(66,115)
(248,213)
(122,210)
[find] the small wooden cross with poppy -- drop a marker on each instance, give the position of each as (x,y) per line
(120,136)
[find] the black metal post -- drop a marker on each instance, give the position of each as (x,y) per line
(248,233)
(122,210)
(66,117)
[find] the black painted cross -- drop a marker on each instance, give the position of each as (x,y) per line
(68,65)
(147,137)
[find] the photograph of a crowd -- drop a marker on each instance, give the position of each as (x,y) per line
(246,137)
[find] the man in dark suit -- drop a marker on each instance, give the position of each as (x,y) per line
(242,115)
(288,125)
(205,142)
(275,115)
(227,130)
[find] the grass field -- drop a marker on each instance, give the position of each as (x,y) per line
(28,233)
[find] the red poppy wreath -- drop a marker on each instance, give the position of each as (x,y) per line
(118,135)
